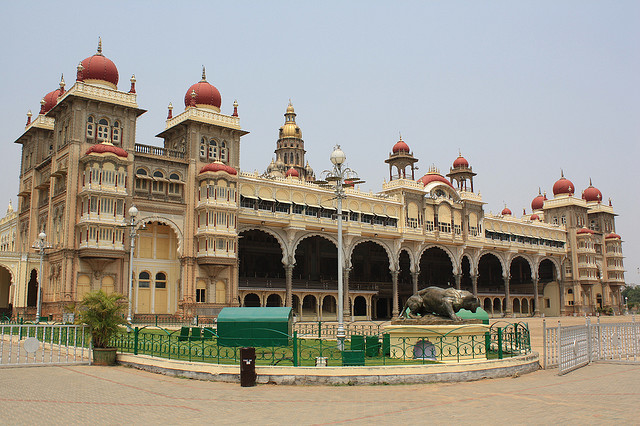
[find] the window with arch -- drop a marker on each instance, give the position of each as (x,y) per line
(161,280)
(144,280)
(91,127)
(203,148)
(141,179)
(115,133)
(212,153)
(158,181)
(223,152)
(103,129)
(201,292)
(174,184)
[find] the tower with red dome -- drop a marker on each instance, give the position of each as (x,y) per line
(462,174)
(401,157)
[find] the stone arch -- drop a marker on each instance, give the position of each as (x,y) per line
(500,258)
(251,300)
(164,221)
(527,259)
(555,264)
(473,268)
(393,260)
(274,299)
(454,262)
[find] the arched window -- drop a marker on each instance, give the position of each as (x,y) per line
(203,148)
(158,181)
(174,184)
(103,129)
(90,127)
(141,179)
(144,280)
(115,133)
(161,280)
(213,150)
(223,152)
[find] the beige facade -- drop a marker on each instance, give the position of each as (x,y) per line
(209,235)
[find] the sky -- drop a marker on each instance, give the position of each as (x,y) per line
(524,90)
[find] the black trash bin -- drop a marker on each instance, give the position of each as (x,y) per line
(247,367)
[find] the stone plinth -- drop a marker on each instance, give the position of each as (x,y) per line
(453,342)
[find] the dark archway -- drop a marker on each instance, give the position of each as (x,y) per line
(274,300)
(329,307)
(259,258)
(309,305)
(5,285)
(497,306)
(295,302)
(520,281)
(490,275)
(370,271)
(32,289)
(316,261)
(436,269)
(487,305)
(465,281)
(360,307)
(251,300)
(546,271)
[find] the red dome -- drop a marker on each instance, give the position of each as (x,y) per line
(401,146)
(585,231)
(563,186)
(592,194)
(506,212)
(433,177)
(292,172)
(460,162)
(99,67)
(612,236)
(538,202)
(206,95)
(534,217)
(50,100)
(218,167)
(103,148)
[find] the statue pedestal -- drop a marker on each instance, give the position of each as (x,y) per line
(437,342)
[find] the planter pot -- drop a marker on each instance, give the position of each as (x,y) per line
(104,356)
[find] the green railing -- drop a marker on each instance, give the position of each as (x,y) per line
(202,344)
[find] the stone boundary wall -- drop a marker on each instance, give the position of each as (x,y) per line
(378,375)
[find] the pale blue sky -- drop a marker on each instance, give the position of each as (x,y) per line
(523,89)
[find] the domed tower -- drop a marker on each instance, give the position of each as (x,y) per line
(401,157)
(462,174)
(290,147)
(592,194)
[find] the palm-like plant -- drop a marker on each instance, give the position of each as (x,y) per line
(103,314)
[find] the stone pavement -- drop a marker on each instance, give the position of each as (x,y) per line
(596,394)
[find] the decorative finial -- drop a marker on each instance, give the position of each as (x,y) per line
(610,205)
(235,108)
(539,191)
(561,173)
(62,83)
(290,104)
(524,212)
(400,134)
(204,74)
(29,115)
(170,113)
(42,104)
(193,98)
(80,68)
(133,84)
(459,153)
(100,46)
(590,184)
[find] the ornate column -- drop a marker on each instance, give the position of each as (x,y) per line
(414,278)
(288,270)
(458,278)
(395,310)
(345,283)
(562,303)
(474,285)
(507,297)
(606,289)
(536,298)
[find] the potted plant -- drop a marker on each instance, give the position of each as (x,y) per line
(103,314)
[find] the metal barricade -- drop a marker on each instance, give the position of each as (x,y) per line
(44,344)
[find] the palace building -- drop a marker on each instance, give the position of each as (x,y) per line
(209,235)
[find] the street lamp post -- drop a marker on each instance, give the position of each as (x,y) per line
(133,212)
(335,179)
(40,245)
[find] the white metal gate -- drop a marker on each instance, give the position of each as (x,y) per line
(44,344)
(572,347)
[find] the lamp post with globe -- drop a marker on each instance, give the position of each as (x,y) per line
(40,245)
(133,213)
(335,179)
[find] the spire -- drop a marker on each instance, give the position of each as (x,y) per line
(79,76)
(99,46)
(133,84)
(170,113)
(590,184)
(42,104)
(400,134)
(62,84)
(204,74)
(235,108)
(561,173)
(29,115)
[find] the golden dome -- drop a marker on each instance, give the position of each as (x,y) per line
(290,128)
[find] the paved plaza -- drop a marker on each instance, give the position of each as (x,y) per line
(596,394)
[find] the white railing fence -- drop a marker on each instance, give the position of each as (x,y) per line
(44,344)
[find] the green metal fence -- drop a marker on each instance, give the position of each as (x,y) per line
(201,344)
